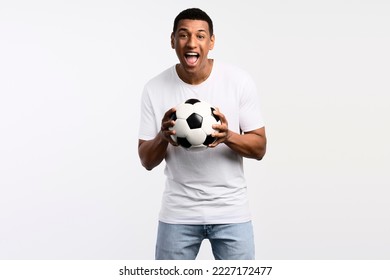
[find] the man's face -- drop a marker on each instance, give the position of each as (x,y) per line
(192,42)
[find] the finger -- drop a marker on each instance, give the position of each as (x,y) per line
(167,124)
(167,135)
(215,143)
(218,127)
(220,134)
(217,112)
(169,113)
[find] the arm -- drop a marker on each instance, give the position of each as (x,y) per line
(251,144)
(152,152)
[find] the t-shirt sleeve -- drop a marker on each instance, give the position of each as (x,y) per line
(250,108)
(147,128)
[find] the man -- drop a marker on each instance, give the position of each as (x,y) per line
(205,193)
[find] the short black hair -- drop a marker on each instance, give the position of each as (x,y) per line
(194,14)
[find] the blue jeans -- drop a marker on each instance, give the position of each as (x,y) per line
(182,242)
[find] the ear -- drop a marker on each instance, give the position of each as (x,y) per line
(212,41)
(173,40)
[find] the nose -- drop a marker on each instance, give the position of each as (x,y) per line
(191,42)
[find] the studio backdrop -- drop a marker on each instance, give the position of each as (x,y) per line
(71,78)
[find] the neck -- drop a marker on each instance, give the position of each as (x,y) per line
(195,78)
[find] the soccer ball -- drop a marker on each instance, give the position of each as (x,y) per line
(193,124)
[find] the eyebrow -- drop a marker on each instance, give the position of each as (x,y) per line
(186,29)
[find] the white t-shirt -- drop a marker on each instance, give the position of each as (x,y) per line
(204,187)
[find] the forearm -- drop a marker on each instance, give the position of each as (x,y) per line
(152,152)
(248,145)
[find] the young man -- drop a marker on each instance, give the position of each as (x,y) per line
(205,193)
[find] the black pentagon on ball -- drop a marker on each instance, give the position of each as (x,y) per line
(183,142)
(192,101)
(215,116)
(194,121)
(209,140)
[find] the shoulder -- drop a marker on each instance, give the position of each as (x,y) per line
(232,75)
(230,70)
(164,77)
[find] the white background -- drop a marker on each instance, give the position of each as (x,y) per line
(71,77)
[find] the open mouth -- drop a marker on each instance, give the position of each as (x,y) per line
(191,57)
